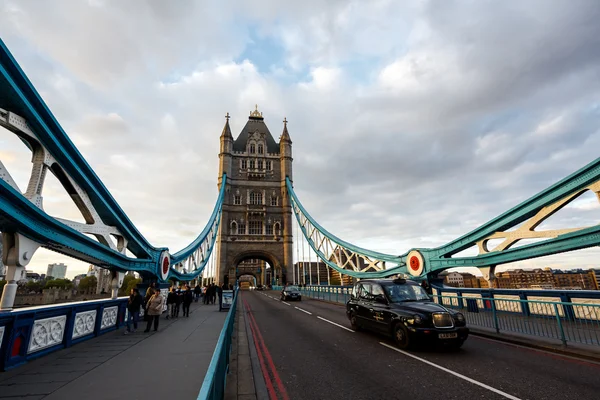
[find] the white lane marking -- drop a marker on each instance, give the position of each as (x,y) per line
(275,298)
(333,323)
(466,378)
(287,304)
(271,296)
(298,308)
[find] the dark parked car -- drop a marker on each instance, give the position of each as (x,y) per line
(291,293)
(401,308)
(260,287)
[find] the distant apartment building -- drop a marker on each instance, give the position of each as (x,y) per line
(575,279)
(455,279)
(524,279)
(536,279)
(57,270)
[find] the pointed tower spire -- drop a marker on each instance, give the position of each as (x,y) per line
(285,136)
(226,129)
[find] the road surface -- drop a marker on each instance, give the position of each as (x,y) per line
(308,351)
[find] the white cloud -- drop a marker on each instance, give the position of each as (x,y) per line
(410,123)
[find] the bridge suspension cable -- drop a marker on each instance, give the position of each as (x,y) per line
(337,254)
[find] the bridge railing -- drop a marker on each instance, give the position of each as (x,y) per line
(567,322)
(29,333)
(213,386)
(334,294)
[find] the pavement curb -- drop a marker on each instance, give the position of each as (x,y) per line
(557,349)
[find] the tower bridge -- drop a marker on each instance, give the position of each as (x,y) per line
(257,227)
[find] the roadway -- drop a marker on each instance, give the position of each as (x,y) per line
(308,351)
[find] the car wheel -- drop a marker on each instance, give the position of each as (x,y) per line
(354,322)
(401,336)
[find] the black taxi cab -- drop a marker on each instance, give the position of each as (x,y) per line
(402,308)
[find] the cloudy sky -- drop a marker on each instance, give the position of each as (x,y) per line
(412,123)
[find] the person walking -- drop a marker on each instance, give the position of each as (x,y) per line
(178,300)
(171,306)
(197,292)
(188,297)
(213,293)
(154,309)
(133,306)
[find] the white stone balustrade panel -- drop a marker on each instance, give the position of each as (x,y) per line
(47,332)
(84,323)
(1,335)
(109,317)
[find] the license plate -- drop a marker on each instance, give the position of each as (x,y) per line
(448,335)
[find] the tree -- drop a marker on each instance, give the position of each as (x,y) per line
(129,282)
(89,284)
(33,286)
(59,283)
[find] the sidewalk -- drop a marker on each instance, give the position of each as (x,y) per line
(170,363)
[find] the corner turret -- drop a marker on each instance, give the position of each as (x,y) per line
(285,151)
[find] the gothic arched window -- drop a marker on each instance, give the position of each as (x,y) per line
(252,148)
(260,149)
(234,228)
(277,229)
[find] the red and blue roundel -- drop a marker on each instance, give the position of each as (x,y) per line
(164,265)
(415,263)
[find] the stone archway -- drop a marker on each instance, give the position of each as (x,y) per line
(258,268)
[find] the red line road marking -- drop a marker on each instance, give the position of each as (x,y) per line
(270,363)
(263,366)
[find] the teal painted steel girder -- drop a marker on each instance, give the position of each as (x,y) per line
(572,184)
(358,251)
(369,253)
(18,95)
(215,220)
(19,215)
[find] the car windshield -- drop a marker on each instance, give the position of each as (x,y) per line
(290,288)
(402,293)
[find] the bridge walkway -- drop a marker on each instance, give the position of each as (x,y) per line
(170,363)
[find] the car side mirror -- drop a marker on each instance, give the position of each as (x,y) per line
(381,299)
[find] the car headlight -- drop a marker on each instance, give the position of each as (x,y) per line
(459,317)
(417,318)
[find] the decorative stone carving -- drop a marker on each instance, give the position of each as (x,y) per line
(47,332)
(84,323)
(109,317)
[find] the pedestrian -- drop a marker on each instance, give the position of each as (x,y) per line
(178,301)
(149,293)
(213,293)
(171,302)
(187,297)
(133,306)
(154,309)
(197,292)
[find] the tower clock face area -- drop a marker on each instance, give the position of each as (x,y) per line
(256,219)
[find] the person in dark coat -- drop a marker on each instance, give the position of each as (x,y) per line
(197,292)
(171,302)
(134,304)
(178,301)
(187,297)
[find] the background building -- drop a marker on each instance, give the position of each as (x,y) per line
(57,270)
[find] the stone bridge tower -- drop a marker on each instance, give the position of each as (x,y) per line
(256,222)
